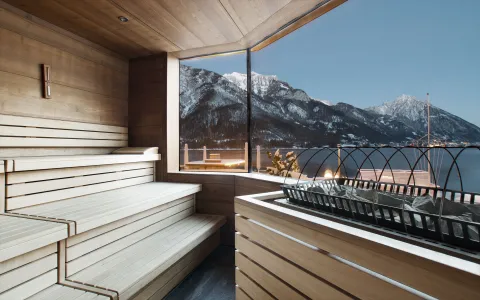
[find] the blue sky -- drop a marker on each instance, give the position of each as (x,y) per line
(367,52)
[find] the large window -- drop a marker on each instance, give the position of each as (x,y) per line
(213,113)
(358,76)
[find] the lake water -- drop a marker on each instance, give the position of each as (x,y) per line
(320,160)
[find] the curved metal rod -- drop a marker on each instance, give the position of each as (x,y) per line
(418,160)
(456,165)
(306,164)
(343,160)
(398,150)
(291,164)
(321,165)
(387,162)
(451,167)
(363,162)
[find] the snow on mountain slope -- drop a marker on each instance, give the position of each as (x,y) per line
(213,113)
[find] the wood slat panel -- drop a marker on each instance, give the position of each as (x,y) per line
(303,281)
(22,96)
(46,142)
(58,124)
(240,294)
(31,287)
(79,238)
(268,281)
(427,276)
(53,133)
(2,188)
(76,265)
(359,283)
(27,25)
(97,242)
(58,184)
(14,152)
(163,284)
(21,55)
(27,258)
(30,271)
(250,287)
(56,162)
(36,199)
(30,176)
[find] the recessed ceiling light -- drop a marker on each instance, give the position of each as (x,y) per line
(123,19)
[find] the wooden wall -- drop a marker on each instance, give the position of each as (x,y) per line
(218,193)
(89,83)
(148,107)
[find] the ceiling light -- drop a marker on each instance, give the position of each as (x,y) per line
(123,19)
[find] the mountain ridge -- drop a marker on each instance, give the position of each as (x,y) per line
(285,116)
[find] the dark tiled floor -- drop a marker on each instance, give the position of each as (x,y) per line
(213,279)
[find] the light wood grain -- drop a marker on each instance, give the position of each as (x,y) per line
(59,184)
(187,28)
(240,294)
(303,281)
(2,188)
(56,162)
(159,288)
(267,280)
(125,231)
(25,273)
(43,175)
(359,283)
(250,287)
(36,199)
(19,236)
(421,274)
(159,252)
(79,238)
(27,258)
(31,287)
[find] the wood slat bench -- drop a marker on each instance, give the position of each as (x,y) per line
(121,230)
(29,261)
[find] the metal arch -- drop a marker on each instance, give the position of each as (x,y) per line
(418,160)
(371,162)
(321,165)
(354,160)
(459,173)
(398,150)
(387,162)
(306,164)
(291,164)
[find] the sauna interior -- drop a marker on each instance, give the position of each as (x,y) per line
(99,199)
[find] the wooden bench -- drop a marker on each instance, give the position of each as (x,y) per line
(29,260)
(119,229)
(79,226)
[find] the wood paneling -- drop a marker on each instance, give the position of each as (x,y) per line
(218,192)
(89,83)
(188,27)
(148,107)
(410,268)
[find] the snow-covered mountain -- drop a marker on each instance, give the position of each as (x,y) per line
(213,113)
(444,125)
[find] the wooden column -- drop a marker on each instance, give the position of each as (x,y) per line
(147,106)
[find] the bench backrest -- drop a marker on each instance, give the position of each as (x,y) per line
(34,181)
(27,132)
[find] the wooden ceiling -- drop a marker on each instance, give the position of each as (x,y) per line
(184,27)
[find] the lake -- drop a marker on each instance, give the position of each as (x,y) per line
(322,159)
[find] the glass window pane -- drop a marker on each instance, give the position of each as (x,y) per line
(213,113)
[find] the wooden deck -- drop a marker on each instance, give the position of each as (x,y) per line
(222,165)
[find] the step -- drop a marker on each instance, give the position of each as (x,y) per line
(19,235)
(87,212)
(132,268)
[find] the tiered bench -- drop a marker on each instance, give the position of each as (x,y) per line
(97,226)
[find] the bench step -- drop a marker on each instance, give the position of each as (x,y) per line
(19,235)
(59,292)
(91,211)
(132,268)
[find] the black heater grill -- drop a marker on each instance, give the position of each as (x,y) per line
(320,195)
